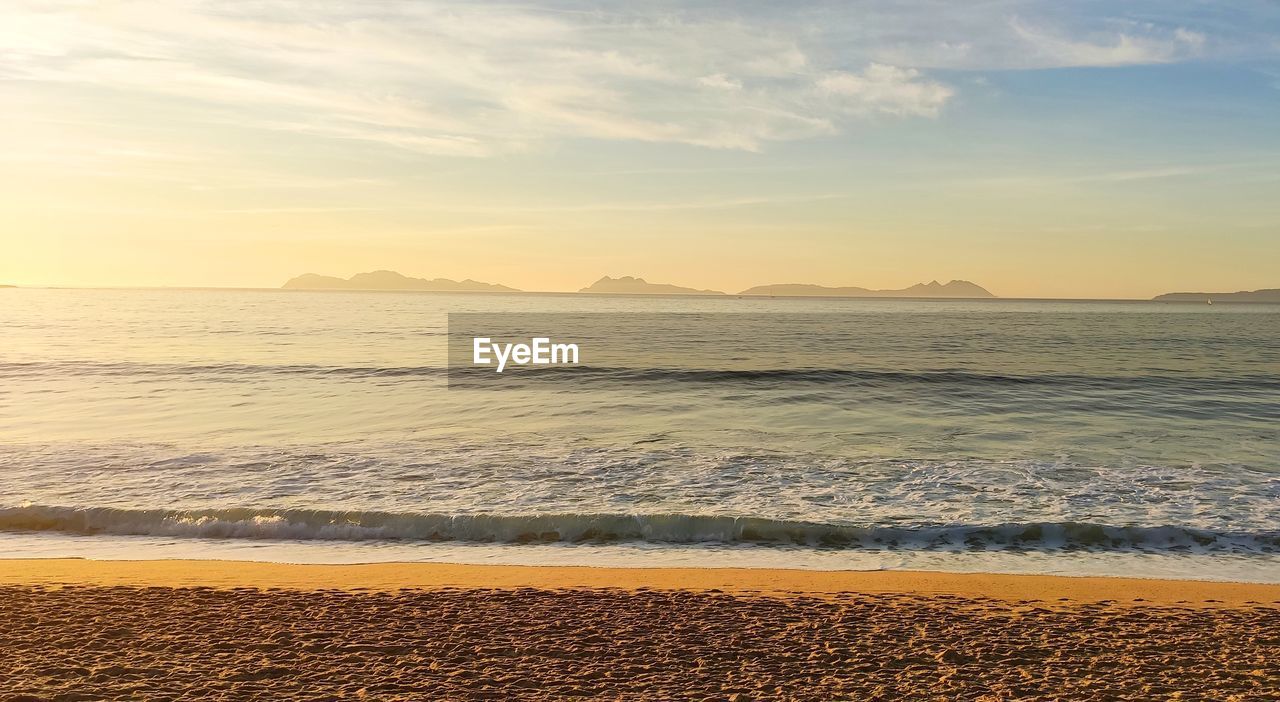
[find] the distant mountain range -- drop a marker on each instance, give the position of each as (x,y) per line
(956,288)
(389,280)
(1267,295)
(627,285)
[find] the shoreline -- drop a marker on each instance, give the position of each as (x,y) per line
(391,577)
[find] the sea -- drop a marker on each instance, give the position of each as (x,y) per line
(1055,437)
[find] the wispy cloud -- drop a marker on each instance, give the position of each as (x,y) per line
(495,209)
(1003,35)
(882,88)
(459,78)
(1137,44)
(444,77)
(1243,171)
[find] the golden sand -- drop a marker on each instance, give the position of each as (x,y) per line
(75,629)
(396,576)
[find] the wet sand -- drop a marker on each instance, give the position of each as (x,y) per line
(169,630)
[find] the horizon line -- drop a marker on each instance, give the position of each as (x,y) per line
(718,296)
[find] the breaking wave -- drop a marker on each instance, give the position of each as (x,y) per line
(330,525)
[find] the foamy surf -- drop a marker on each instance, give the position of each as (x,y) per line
(340,526)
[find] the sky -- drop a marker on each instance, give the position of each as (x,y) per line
(1040,149)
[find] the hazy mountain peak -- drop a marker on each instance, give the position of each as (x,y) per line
(631,285)
(955,288)
(389,280)
(1264,295)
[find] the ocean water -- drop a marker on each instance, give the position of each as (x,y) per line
(1013,436)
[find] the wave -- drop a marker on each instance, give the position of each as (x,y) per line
(331,525)
(212,370)
(857,377)
(877,377)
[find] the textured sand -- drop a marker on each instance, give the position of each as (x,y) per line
(208,630)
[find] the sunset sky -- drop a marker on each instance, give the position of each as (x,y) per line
(1084,149)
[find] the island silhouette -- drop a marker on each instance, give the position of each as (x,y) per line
(1264,295)
(627,285)
(390,280)
(955,288)
(631,285)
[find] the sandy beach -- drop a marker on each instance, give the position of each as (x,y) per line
(170,630)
